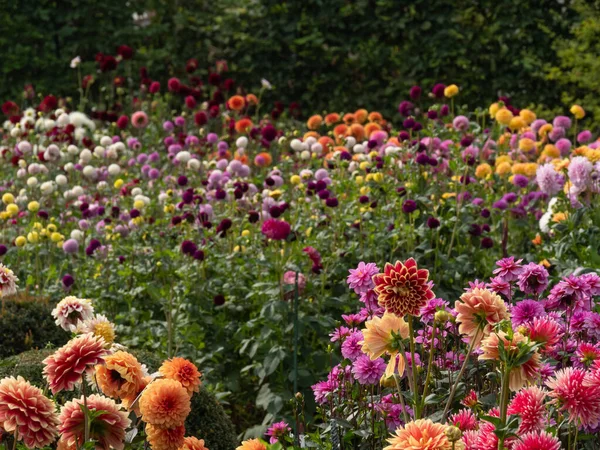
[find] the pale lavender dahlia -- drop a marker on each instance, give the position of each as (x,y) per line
(533,279)
(580,170)
(549,180)
(367,371)
(361,278)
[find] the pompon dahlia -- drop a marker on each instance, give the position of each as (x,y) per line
(107,428)
(27,410)
(8,281)
(464,419)
(165,403)
(572,393)
(192,443)
(422,434)
(66,366)
(530,405)
(537,440)
(165,438)
(275,229)
(121,376)
(252,444)
(184,371)
(520,375)
(71,311)
(402,288)
(478,311)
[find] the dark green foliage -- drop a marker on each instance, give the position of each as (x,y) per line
(331,54)
(26,323)
(207,420)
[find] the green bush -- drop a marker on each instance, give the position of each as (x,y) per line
(207,420)
(26,323)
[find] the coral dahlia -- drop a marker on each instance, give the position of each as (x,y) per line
(165,403)
(422,434)
(165,438)
(478,310)
(184,371)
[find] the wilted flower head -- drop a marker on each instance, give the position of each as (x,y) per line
(8,281)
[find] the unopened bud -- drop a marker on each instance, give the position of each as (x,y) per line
(453,433)
(442,316)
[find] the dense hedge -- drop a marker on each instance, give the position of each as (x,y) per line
(333,54)
(207,420)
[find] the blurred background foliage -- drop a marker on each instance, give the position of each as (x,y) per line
(335,54)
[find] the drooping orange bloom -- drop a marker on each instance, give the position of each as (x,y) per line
(520,375)
(66,367)
(27,410)
(192,443)
(165,403)
(243,125)
(331,119)
(478,311)
(165,438)
(421,434)
(120,376)
(361,115)
(184,371)
(403,288)
(237,102)
(252,444)
(109,426)
(314,122)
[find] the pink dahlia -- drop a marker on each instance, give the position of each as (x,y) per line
(533,279)
(572,394)
(403,288)
(368,371)
(537,440)
(67,365)
(277,431)
(530,405)
(464,419)
(275,229)
(361,278)
(107,429)
(508,269)
(546,331)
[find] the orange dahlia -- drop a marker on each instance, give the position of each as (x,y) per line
(192,443)
(107,428)
(184,371)
(403,288)
(243,125)
(27,410)
(314,122)
(65,367)
(421,434)
(129,403)
(120,376)
(237,102)
(165,403)
(252,444)
(478,311)
(332,118)
(165,438)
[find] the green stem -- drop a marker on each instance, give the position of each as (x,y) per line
(404,413)
(429,368)
(86,418)
(460,374)
(504,402)
(414,367)
(16,438)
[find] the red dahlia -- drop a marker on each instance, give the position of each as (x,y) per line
(402,288)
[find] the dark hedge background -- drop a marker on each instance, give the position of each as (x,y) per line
(322,53)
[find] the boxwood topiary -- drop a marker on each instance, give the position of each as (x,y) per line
(26,323)
(207,420)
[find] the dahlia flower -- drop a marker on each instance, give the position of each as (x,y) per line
(71,311)
(165,403)
(549,180)
(277,430)
(572,394)
(525,311)
(192,443)
(367,370)
(580,170)
(380,336)
(529,404)
(165,438)
(537,440)
(508,269)
(421,434)
(184,371)
(8,281)
(361,278)
(464,419)
(351,347)
(67,365)
(26,410)
(546,331)
(100,326)
(275,229)
(402,288)
(252,444)
(533,279)
(107,428)
(121,376)
(478,311)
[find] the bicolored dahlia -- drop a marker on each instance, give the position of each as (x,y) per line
(72,312)
(380,337)
(478,311)
(530,405)
(573,394)
(8,281)
(107,429)
(361,278)
(403,288)
(100,326)
(24,409)
(67,365)
(464,419)
(546,331)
